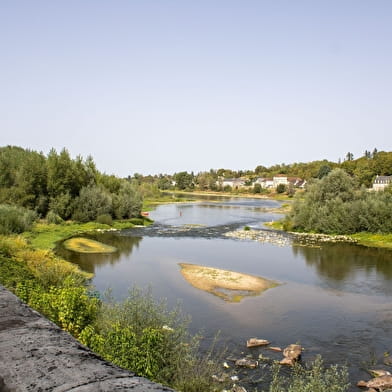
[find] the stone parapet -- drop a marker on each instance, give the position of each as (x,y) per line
(36,355)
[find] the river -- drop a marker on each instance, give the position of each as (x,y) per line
(334,299)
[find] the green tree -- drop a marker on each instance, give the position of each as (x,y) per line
(92,202)
(183,180)
(128,202)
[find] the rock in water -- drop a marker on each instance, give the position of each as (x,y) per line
(291,354)
(277,349)
(247,362)
(254,342)
(379,372)
(382,382)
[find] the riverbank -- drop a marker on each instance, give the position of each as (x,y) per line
(272,196)
(46,235)
(370,240)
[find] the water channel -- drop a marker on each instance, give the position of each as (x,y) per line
(334,299)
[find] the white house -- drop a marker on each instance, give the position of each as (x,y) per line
(381,182)
(235,183)
(280,179)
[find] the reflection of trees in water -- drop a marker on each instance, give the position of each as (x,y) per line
(340,261)
(88,261)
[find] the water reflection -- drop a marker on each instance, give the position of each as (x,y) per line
(350,267)
(90,262)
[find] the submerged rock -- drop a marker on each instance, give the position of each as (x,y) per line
(255,342)
(379,372)
(247,362)
(277,349)
(381,383)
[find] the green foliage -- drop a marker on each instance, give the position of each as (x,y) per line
(61,205)
(323,171)
(315,378)
(142,335)
(105,219)
(15,219)
(53,218)
(92,202)
(257,188)
(335,205)
(128,203)
(183,180)
(70,307)
(281,188)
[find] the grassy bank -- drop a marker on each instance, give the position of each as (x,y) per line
(373,240)
(139,334)
(45,235)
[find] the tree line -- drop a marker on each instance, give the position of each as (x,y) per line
(337,204)
(364,169)
(59,187)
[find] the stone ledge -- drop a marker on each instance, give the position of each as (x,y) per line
(36,355)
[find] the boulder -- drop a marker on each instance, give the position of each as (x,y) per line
(381,383)
(247,362)
(255,342)
(379,372)
(291,354)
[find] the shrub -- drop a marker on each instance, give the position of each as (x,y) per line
(105,219)
(92,202)
(15,219)
(61,205)
(128,202)
(69,307)
(281,188)
(314,378)
(142,335)
(257,188)
(53,218)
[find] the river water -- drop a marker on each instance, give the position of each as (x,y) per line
(334,299)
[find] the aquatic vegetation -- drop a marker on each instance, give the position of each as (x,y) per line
(86,245)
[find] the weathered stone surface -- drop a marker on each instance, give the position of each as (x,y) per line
(293,351)
(379,372)
(36,355)
(382,382)
(247,362)
(237,388)
(291,354)
(255,342)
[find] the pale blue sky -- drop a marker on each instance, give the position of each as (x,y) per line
(168,85)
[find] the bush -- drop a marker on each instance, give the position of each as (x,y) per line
(333,205)
(105,219)
(53,218)
(92,202)
(257,188)
(314,378)
(61,205)
(15,219)
(128,203)
(69,307)
(142,335)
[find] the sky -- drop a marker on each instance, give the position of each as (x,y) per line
(171,85)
